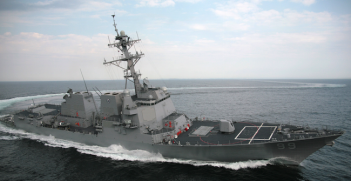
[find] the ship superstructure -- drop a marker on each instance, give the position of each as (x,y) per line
(151,110)
(148,120)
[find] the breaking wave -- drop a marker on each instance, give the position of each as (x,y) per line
(8,102)
(117,152)
(9,138)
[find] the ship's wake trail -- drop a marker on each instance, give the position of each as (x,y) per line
(7,102)
(117,152)
(293,86)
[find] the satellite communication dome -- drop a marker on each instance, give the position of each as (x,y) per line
(164,89)
(123,33)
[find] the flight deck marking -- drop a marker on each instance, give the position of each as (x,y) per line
(272,133)
(229,143)
(256,133)
(275,127)
(240,132)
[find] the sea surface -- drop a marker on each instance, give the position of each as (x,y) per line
(316,103)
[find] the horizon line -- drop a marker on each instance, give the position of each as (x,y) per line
(186,79)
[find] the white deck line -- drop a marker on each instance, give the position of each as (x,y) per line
(255,133)
(272,133)
(253,139)
(261,126)
(240,132)
(275,127)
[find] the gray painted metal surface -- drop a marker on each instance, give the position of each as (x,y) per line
(202,130)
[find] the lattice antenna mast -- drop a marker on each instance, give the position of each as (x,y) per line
(114,24)
(124,43)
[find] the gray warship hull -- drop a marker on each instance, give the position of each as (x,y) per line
(229,149)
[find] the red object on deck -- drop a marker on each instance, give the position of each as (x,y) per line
(188,125)
(179,132)
(77,114)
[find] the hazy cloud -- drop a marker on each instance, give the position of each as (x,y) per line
(234,26)
(26,6)
(24,12)
(163,3)
(198,27)
(204,41)
(71,52)
(283,38)
(235,39)
(235,10)
(305,2)
(188,1)
(245,12)
(60,53)
(154,3)
(82,5)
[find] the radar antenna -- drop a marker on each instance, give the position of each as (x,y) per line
(146,81)
(124,43)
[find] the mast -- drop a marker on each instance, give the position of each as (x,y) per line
(124,43)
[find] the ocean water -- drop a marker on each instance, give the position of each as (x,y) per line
(317,103)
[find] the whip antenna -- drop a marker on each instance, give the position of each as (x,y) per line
(91,94)
(114,24)
(84,80)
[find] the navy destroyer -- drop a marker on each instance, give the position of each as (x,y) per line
(148,120)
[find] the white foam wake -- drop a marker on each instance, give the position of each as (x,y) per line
(117,152)
(9,138)
(296,86)
(4,115)
(7,102)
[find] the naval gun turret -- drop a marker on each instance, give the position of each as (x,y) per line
(226,126)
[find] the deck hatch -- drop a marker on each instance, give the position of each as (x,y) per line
(202,130)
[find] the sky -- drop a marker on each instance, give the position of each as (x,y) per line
(52,40)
